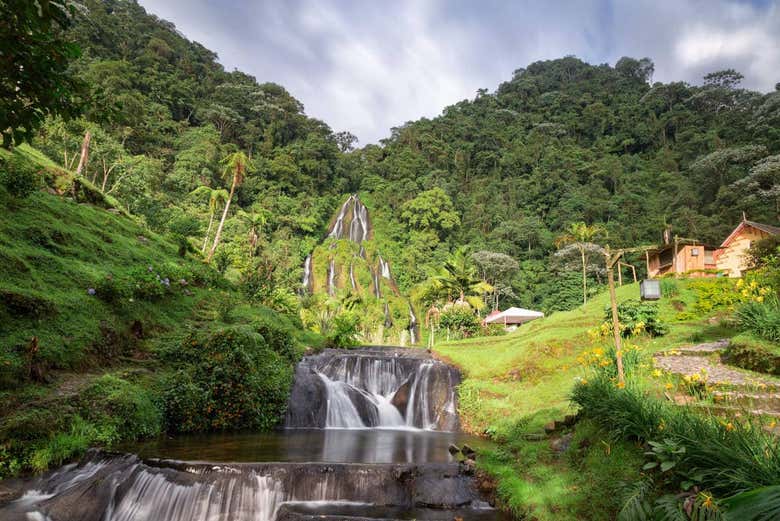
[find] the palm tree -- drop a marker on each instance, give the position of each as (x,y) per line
(581,236)
(254,221)
(216,197)
(460,277)
(236,166)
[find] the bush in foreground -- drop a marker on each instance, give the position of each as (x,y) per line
(692,458)
(229,379)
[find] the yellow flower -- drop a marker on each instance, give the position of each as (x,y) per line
(621,385)
(669,386)
(661,425)
(740,283)
(729,426)
(657,373)
(706,501)
(584,381)
(773,424)
(759,298)
(753,284)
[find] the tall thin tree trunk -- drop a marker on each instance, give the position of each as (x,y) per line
(584,279)
(208,232)
(222,221)
(84,152)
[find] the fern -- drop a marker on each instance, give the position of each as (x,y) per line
(669,508)
(635,499)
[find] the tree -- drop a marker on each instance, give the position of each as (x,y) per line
(459,276)
(580,235)
(35,79)
(216,197)
(431,210)
(496,269)
(236,167)
(254,222)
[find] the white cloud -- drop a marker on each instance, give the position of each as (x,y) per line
(366,66)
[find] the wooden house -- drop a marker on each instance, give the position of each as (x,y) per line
(682,256)
(730,258)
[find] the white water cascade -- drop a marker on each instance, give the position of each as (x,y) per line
(307,273)
(352,281)
(386,392)
(332,278)
(246,497)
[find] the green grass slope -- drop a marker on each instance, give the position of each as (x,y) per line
(516,384)
(109,332)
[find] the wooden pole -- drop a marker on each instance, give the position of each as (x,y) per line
(613,302)
(647,262)
(620,273)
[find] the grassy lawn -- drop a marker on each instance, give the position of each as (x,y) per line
(516,384)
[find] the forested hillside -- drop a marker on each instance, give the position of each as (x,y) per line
(506,173)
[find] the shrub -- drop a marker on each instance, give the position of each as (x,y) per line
(635,317)
(669,288)
(762,318)
(721,456)
(19,177)
(713,294)
(229,379)
(343,330)
(149,285)
(120,409)
(279,338)
(752,357)
(460,320)
(112,290)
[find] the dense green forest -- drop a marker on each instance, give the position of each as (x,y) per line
(497,178)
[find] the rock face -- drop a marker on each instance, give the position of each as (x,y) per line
(373,387)
(112,487)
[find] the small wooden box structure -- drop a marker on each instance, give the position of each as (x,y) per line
(650,289)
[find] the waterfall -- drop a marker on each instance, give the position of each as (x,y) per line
(332,277)
(354,214)
(377,286)
(384,268)
(337,231)
(352,276)
(358,229)
(380,391)
(307,273)
(245,497)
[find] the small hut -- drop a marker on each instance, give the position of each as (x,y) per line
(513,317)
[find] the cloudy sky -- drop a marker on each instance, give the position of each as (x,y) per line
(368,65)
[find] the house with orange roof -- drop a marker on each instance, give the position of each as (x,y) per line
(731,257)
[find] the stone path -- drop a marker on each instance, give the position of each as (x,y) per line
(691,360)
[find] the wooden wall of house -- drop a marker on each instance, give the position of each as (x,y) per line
(732,257)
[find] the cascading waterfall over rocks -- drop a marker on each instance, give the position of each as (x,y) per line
(390,395)
(332,278)
(307,273)
(348,261)
(368,388)
(353,212)
(112,487)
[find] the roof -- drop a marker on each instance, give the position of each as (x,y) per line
(766,228)
(513,316)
